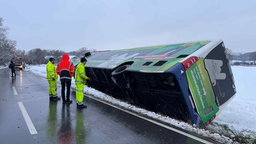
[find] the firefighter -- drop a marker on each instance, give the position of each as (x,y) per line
(52,77)
(80,80)
(65,69)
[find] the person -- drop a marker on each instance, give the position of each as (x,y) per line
(52,78)
(65,70)
(80,80)
(12,67)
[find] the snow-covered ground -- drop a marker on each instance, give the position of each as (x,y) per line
(240,112)
(237,117)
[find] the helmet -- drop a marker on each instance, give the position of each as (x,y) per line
(51,59)
(83,59)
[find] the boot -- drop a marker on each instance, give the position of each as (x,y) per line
(81,106)
(54,97)
(68,101)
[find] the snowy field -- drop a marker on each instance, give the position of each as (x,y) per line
(240,112)
(237,117)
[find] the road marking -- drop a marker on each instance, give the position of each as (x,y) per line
(27,119)
(155,122)
(14,90)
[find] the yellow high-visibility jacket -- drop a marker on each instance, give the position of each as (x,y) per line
(80,75)
(50,71)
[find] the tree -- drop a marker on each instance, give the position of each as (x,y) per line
(7,47)
(56,54)
(40,56)
(36,56)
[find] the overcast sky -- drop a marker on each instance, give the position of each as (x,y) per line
(116,24)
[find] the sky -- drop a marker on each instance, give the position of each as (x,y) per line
(238,114)
(117,24)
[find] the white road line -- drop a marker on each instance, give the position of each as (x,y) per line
(14,90)
(155,122)
(27,119)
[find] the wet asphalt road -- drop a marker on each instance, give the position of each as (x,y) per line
(57,123)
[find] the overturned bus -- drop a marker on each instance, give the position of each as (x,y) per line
(186,81)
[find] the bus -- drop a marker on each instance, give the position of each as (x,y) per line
(186,81)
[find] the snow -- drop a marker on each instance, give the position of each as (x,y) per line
(238,114)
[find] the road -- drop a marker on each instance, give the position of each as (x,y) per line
(27,116)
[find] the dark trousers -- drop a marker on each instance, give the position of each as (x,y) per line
(65,84)
(13,73)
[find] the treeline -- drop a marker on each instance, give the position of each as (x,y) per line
(40,56)
(8,51)
(251,56)
(244,59)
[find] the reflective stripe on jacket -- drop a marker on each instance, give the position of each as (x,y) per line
(50,71)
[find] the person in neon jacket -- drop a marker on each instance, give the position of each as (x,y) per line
(80,80)
(52,78)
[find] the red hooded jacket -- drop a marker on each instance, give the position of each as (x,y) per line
(65,68)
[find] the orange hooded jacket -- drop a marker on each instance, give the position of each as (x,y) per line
(65,68)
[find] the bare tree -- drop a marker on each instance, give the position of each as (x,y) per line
(36,56)
(7,47)
(56,54)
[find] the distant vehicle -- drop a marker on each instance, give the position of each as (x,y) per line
(186,81)
(19,63)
